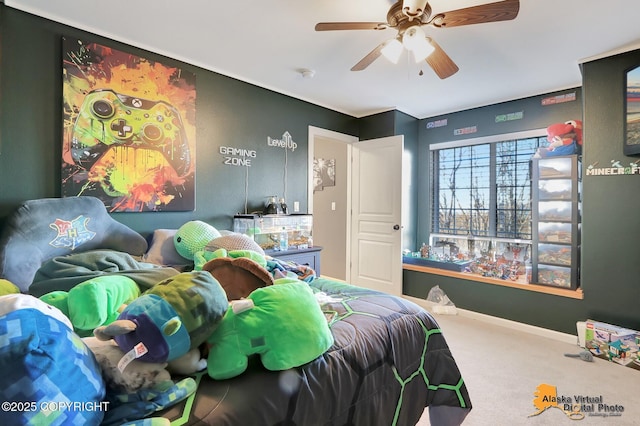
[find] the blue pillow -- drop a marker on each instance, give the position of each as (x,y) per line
(49,376)
(48,227)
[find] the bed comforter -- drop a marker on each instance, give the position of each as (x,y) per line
(389,361)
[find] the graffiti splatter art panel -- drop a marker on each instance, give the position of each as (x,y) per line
(129,132)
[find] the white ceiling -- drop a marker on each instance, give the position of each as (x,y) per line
(266,43)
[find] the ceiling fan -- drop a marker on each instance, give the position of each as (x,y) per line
(408,16)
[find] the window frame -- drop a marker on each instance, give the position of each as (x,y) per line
(493,140)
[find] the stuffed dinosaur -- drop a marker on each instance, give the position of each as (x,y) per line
(94,302)
(170,319)
(282,323)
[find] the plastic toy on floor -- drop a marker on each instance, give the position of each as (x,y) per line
(584,355)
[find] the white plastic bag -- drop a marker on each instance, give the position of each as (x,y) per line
(441,302)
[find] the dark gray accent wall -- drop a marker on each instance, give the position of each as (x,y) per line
(610,225)
(610,220)
(408,126)
(553,312)
(377,125)
(534,116)
(228,113)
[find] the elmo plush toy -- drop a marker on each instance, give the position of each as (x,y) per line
(564,139)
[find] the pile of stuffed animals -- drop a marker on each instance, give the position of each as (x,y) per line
(206,319)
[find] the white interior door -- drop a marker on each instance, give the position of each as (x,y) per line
(376,229)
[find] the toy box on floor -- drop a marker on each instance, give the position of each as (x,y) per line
(612,343)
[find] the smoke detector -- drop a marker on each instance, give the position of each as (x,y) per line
(307,73)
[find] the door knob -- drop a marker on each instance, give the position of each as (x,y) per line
(396,227)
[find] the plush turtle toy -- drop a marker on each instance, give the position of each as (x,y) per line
(170,319)
(200,242)
(282,323)
(192,237)
(95,302)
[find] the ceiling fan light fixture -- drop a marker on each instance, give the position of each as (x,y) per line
(416,41)
(422,50)
(412,36)
(392,50)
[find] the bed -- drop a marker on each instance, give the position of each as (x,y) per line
(389,359)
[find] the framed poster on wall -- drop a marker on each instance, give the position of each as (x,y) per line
(632,112)
(129,131)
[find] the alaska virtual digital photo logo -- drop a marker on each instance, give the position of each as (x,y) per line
(576,407)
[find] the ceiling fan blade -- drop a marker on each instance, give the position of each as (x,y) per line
(337,26)
(490,12)
(368,60)
(441,63)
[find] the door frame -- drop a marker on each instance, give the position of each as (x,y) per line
(318,132)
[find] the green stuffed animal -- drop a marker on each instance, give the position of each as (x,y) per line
(283,323)
(171,319)
(94,302)
(192,237)
(204,256)
(200,242)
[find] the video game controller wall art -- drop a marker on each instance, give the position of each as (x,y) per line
(129,130)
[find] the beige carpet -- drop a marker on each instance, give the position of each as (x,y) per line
(503,367)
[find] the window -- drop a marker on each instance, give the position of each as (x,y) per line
(482,187)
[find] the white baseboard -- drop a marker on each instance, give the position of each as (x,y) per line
(514,325)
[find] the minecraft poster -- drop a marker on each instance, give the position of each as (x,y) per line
(129,131)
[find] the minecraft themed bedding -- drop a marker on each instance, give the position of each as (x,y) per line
(388,362)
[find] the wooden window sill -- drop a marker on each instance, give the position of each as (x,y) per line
(575,294)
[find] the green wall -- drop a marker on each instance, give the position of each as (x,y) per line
(228,112)
(609,265)
(610,221)
(408,126)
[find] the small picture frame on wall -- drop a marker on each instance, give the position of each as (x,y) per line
(632,112)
